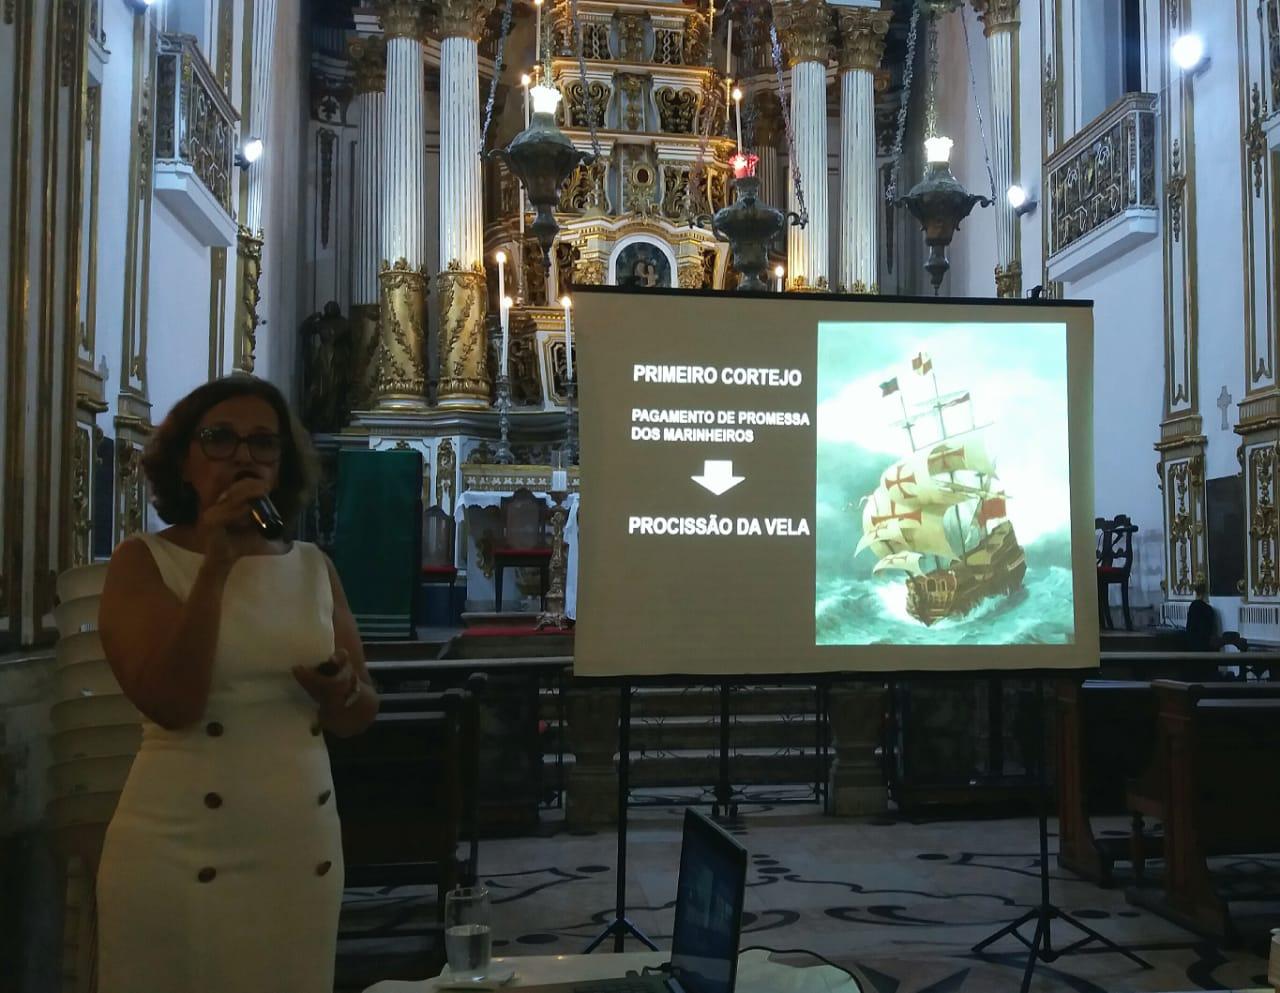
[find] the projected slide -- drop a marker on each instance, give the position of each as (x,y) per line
(943,511)
(801,483)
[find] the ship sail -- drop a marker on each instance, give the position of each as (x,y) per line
(908,562)
(918,530)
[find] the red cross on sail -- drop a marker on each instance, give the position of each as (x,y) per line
(899,480)
(992,509)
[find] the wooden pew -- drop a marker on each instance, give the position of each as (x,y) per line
(406,791)
(1106,735)
(1214,782)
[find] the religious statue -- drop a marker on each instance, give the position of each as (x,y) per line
(326,369)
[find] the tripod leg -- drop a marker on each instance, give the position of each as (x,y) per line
(1107,943)
(1030,915)
(1042,928)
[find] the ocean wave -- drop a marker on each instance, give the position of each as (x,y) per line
(851,611)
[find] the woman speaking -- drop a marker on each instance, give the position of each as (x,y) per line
(222,867)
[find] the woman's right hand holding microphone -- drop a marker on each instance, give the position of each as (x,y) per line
(225,527)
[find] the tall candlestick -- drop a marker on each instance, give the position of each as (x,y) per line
(728,49)
(504,311)
(566,303)
(501,256)
(777,277)
(737,109)
(537,7)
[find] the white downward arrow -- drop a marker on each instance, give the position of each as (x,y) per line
(718,477)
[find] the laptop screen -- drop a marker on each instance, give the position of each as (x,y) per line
(713,877)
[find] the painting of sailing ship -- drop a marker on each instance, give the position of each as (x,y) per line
(943,510)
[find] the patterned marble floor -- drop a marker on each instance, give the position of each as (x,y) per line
(898,903)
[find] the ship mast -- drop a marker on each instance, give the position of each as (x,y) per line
(938,406)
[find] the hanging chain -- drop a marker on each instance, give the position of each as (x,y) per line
(908,74)
(588,103)
(796,182)
(497,71)
(982,130)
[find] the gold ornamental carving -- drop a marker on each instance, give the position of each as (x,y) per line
(403,19)
(863,31)
(690,275)
(369,64)
(401,374)
(446,470)
(805,29)
(1255,140)
(1176,193)
(1009,280)
(588,272)
(464,359)
(997,15)
(365,336)
(697,39)
(249,249)
(462,18)
(1264,540)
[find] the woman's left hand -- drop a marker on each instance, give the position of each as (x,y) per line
(330,692)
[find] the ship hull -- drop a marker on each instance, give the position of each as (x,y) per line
(995,568)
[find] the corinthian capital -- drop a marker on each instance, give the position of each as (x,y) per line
(863,31)
(369,63)
(997,15)
(805,29)
(462,18)
(402,18)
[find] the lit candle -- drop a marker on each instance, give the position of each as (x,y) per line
(505,313)
(501,256)
(566,303)
(777,277)
(728,49)
(537,7)
(737,110)
(525,80)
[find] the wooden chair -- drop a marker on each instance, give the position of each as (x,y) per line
(524,542)
(438,566)
(1115,562)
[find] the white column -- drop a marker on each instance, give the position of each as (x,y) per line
(862,36)
(369,58)
(461,203)
(808,247)
(1000,24)
(264,33)
(464,354)
(769,169)
(404,155)
(805,27)
(400,365)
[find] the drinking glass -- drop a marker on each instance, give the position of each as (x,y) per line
(467,939)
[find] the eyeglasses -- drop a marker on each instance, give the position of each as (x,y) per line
(221,443)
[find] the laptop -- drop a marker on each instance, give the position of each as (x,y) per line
(704,941)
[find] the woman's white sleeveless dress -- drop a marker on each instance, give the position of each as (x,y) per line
(222,868)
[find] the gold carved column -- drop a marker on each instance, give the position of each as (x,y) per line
(369,63)
(400,372)
(464,354)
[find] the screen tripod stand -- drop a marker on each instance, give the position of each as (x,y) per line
(621,925)
(1041,945)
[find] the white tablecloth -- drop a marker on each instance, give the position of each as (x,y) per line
(756,974)
(481,499)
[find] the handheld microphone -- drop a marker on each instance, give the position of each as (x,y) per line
(265,516)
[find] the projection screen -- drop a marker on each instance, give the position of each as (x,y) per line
(809,483)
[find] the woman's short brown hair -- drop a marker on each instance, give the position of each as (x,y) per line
(174,498)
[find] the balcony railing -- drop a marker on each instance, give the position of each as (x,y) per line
(1104,172)
(196,132)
